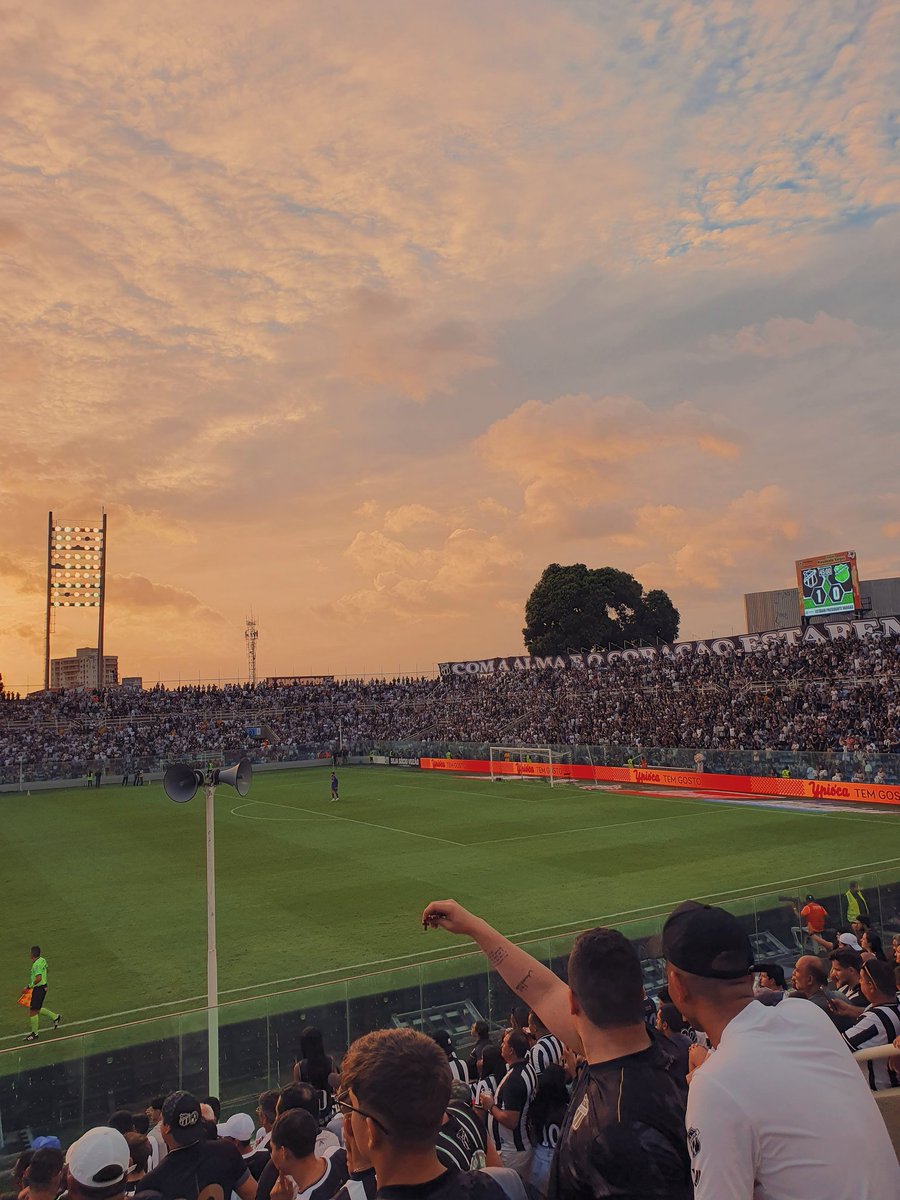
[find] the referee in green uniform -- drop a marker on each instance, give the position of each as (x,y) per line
(38,986)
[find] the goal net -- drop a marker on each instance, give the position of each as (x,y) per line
(545,764)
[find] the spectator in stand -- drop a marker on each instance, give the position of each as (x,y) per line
(20,1169)
(302,1173)
(316,1067)
(97,1165)
(545,1118)
(671,1025)
(846,965)
(215,1104)
(194,1163)
(546,1050)
(361,1184)
(762,1109)
(813,917)
(266,1112)
(809,980)
(395,1090)
(872,946)
(154,1115)
(296,1096)
(458,1069)
(518,1021)
(481,1032)
(461,1142)
(507,1108)
(140,1150)
(240,1131)
(770,987)
(43,1175)
(122,1120)
(491,1069)
(623,1134)
(879,1025)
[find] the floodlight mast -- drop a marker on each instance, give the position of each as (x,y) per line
(181,784)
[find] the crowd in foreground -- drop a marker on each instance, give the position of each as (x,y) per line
(842,697)
(730,1088)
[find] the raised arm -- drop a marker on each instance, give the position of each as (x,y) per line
(539,988)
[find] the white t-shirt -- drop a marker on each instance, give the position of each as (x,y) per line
(781,1111)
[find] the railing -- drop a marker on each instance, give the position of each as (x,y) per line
(65,1082)
(728,762)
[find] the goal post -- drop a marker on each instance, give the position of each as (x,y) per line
(545,764)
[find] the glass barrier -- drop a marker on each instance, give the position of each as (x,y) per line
(67,1083)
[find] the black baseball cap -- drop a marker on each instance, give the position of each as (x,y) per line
(706,941)
(181,1112)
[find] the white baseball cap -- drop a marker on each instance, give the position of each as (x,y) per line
(99,1158)
(239,1126)
(849,939)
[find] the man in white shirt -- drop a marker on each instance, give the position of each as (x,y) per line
(764,1107)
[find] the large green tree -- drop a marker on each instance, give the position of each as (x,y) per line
(577,608)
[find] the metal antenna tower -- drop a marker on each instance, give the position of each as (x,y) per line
(251,633)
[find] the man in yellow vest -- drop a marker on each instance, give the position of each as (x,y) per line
(855,902)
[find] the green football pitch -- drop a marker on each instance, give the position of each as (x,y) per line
(111,883)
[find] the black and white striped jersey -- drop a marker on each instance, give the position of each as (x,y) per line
(546,1052)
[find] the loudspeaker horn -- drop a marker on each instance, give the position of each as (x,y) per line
(181,783)
(238,776)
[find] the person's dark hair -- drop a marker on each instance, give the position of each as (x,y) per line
(669,1015)
(876,945)
(482,1030)
(605,977)
(864,919)
(141,1122)
(774,971)
(45,1166)
(156,1102)
(518,1043)
(535,1020)
(299,1095)
(402,1078)
(492,1063)
(315,1064)
(36,951)
(22,1164)
(881,974)
(296,1131)
(846,956)
(444,1040)
(140,1150)
(268,1103)
(518,1017)
(215,1104)
(548,1106)
(122,1120)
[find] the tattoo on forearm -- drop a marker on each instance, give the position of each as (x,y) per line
(522,985)
(496,957)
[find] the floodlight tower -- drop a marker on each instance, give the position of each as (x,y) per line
(76,578)
(251,633)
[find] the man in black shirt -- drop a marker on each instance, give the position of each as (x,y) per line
(395,1086)
(624,1132)
(194,1165)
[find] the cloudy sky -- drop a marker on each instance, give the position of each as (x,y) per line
(357,313)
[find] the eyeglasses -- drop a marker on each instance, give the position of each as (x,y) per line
(345,1107)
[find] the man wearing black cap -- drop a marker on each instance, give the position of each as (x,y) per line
(764,1107)
(194,1164)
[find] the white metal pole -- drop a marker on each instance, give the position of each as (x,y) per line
(212,963)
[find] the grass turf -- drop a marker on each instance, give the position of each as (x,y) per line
(111,883)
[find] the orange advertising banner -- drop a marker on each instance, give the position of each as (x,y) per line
(746,785)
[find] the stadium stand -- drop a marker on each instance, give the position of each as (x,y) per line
(841,700)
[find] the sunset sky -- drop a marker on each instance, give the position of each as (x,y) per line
(357,313)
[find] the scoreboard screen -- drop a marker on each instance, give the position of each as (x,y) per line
(828,585)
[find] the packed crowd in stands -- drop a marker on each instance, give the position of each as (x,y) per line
(841,698)
(724,1086)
